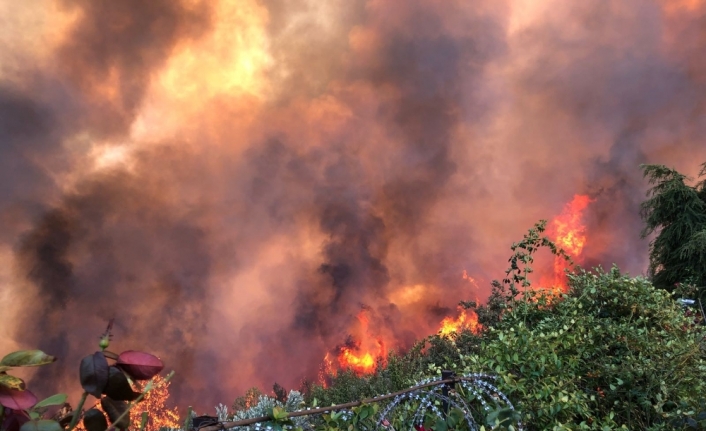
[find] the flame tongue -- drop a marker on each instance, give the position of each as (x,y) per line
(360,355)
(569,234)
(361,363)
(467,319)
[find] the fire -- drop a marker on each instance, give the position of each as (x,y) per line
(569,234)
(326,370)
(362,363)
(467,319)
(154,403)
(361,355)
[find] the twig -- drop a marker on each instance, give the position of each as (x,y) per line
(77,412)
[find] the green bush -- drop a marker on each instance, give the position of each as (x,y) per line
(614,352)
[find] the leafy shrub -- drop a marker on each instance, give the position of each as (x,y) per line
(395,373)
(614,352)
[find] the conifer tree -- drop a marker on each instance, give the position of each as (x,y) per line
(676,212)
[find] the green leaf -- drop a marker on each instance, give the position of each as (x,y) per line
(54,400)
(440,426)
(27,358)
(278,413)
(41,425)
(4,368)
(12,382)
(454,418)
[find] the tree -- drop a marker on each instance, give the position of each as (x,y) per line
(675,211)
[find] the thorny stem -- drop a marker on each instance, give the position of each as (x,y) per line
(77,412)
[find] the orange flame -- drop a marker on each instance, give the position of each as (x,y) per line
(361,355)
(569,234)
(326,370)
(361,363)
(467,319)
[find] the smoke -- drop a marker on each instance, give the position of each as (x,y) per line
(234,181)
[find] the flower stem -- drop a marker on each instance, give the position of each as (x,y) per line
(77,412)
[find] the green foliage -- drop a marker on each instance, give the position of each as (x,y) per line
(249,399)
(22,358)
(518,272)
(363,417)
(275,408)
(280,393)
(396,373)
(504,294)
(613,352)
(677,213)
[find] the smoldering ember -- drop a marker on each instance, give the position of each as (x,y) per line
(262,191)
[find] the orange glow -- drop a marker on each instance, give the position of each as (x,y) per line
(154,403)
(362,355)
(470,279)
(325,370)
(688,6)
(363,363)
(569,234)
(467,319)
(229,64)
